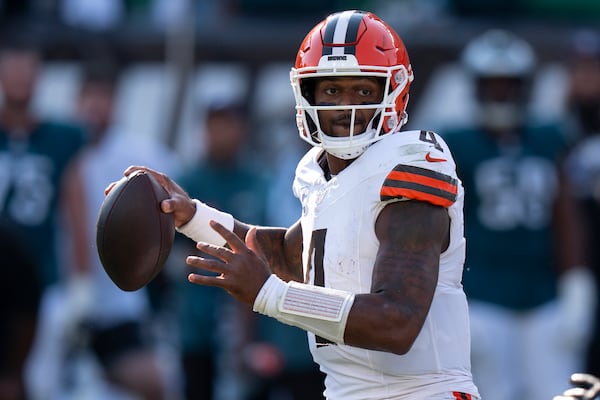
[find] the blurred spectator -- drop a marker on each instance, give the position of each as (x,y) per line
(34,155)
(525,271)
(119,324)
(211,334)
(20,293)
(583,163)
(215,330)
(273,111)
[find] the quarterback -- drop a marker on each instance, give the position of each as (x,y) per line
(372,270)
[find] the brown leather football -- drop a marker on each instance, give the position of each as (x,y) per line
(133,235)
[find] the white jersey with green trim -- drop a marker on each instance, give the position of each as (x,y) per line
(339,251)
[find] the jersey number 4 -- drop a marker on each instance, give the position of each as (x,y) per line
(317,253)
(429,137)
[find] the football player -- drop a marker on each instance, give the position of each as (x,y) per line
(529,305)
(372,270)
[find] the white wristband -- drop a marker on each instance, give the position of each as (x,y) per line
(198,229)
(322,311)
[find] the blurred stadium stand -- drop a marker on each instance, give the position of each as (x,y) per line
(257,34)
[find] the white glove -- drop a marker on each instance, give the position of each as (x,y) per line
(577,296)
(588,388)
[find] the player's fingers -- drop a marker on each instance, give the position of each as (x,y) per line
(222,253)
(579,378)
(134,168)
(110,187)
(575,392)
(234,242)
(178,198)
(206,280)
(206,264)
(161,178)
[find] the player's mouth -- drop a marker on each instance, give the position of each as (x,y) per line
(342,124)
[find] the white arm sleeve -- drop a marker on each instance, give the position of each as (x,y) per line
(322,311)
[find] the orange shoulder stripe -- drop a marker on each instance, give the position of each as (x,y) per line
(407,181)
(424,180)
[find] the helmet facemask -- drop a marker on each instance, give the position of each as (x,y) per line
(387,116)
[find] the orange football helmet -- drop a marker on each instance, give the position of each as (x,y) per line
(352,43)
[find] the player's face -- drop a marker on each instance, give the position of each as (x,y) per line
(500,89)
(18,74)
(95,106)
(346,91)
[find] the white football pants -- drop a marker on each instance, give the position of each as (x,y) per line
(520,355)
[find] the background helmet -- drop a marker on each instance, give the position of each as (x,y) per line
(351,43)
(499,53)
(502,66)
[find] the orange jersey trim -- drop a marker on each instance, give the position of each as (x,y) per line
(406,181)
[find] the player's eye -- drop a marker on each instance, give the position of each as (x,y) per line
(331,91)
(365,92)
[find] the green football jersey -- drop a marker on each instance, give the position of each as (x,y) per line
(31,168)
(510,191)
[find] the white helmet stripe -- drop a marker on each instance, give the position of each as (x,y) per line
(339,35)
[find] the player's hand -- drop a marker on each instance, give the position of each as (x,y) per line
(577,305)
(179,202)
(587,388)
(241,268)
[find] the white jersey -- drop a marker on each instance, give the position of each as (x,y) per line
(339,251)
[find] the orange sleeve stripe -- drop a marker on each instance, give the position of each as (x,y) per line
(388,193)
(423,180)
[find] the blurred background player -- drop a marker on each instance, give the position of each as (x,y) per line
(267,359)
(213,329)
(20,293)
(583,162)
(120,326)
(34,155)
(525,272)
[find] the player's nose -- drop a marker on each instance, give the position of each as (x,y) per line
(347,98)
